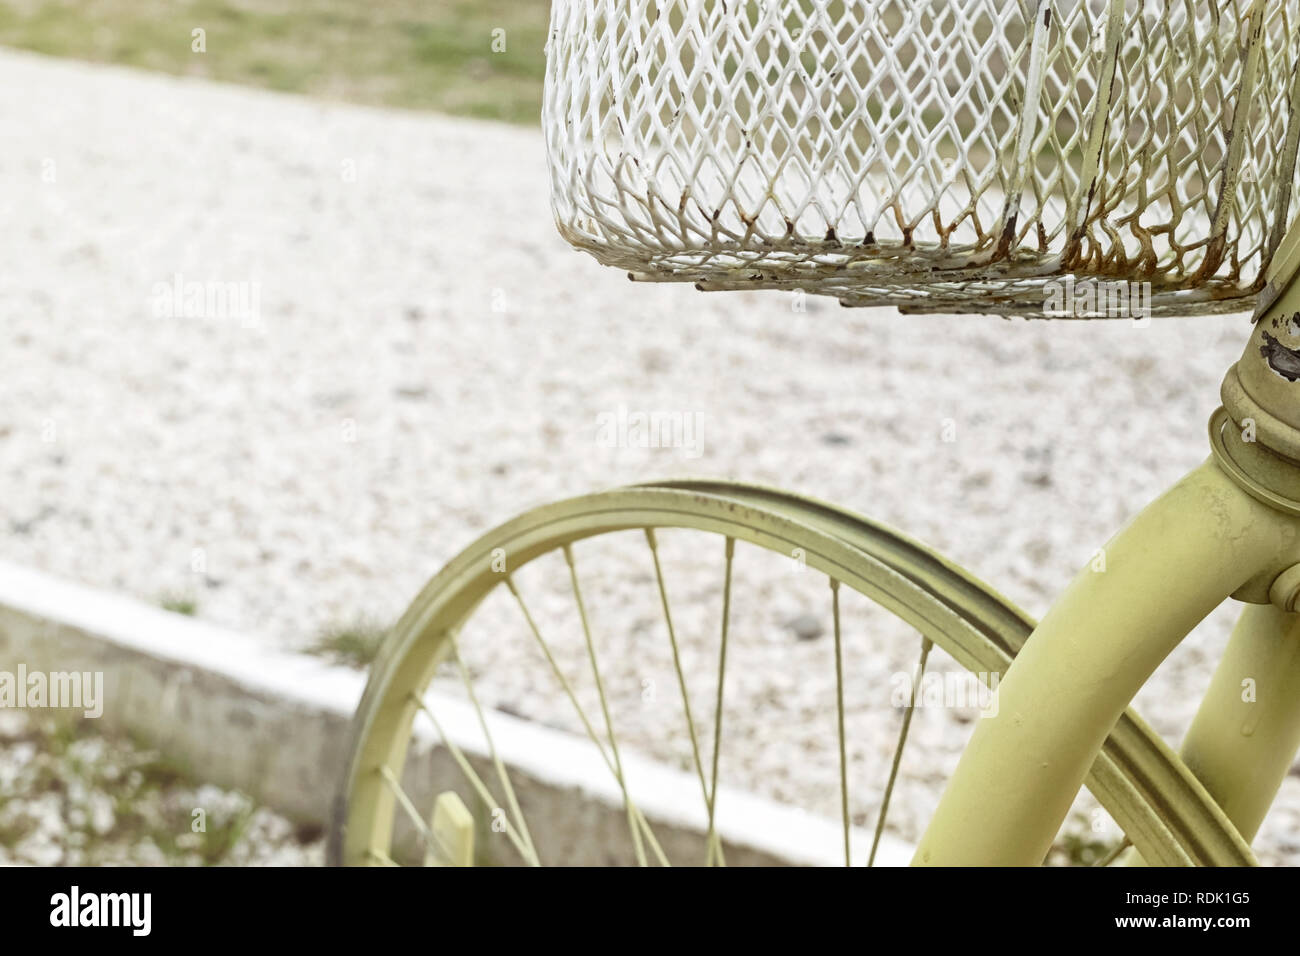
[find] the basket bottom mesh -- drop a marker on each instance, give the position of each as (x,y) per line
(919,282)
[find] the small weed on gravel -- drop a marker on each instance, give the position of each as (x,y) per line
(356,644)
(179,604)
(70,796)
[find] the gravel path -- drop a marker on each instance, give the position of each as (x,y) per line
(424,358)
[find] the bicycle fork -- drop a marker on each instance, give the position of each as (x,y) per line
(1247,729)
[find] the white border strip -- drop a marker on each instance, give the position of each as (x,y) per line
(275,725)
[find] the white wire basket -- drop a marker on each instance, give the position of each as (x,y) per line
(933,155)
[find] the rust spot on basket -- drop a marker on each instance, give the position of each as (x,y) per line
(1282,360)
(1213,257)
(1008,235)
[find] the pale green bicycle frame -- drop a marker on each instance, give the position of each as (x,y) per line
(1229,528)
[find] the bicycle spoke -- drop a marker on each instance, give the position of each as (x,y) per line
(839,711)
(637,846)
(1115,851)
(504,777)
(405,803)
(715,843)
(476,782)
(582,716)
(926,644)
(677,664)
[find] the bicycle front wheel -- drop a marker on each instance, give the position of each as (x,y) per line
(648,610)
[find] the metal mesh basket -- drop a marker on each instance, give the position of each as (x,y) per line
(935,155)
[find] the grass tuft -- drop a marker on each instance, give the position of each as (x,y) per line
(356,644)
(179,604)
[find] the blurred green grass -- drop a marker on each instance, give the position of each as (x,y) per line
(419,54)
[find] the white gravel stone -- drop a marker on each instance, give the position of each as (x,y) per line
(102,817)
(427,359)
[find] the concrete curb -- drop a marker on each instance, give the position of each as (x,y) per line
(275,725)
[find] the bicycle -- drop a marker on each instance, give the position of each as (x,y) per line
(934,157)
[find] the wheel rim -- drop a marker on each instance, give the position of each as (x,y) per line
(1152,797)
